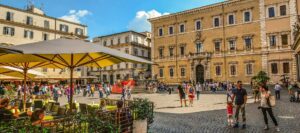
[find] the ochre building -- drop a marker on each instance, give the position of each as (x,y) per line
(227,41)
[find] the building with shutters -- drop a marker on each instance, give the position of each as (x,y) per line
(227,41)
(20,26)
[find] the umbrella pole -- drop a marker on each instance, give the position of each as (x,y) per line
(25,89)
(71,81)
(71,87)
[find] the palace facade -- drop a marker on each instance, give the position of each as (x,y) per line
(228,41)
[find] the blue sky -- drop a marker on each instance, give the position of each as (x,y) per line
(111,16)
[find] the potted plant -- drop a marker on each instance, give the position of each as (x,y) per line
(142,114)
(261,78)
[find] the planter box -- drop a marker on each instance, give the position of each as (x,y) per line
(140,126)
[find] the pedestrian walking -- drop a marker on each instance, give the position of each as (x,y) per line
(266,107)
(240,97)
(229,113)
(277,89)
(191,94)
(198,89)
(181,92)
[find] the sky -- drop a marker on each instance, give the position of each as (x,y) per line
(105,17)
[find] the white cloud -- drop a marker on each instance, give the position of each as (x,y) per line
(75,16)
(140,23)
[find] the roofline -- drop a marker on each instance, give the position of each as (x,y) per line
(18,9)
(130,31)
(194,9)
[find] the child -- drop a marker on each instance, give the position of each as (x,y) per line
(229,113)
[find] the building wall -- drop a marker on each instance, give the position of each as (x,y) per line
(137,44)
(260,55)
(18,22)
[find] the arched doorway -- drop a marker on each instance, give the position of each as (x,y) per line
(200,74)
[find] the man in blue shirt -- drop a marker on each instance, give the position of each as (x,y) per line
(240,98)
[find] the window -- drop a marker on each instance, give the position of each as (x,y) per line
(182,72)
(104,77)
(231,19)
(161,52)
(45,37)
(198,25)
(127,51)
(198,47)
(118,76)
(171,49)
(218,70)
(271,11)
(248,43)
(160,32)
(274,68)
(247,16)
(233,70)
(46,24)
(135,52)
(286,67)
(118,66)
(181,28)
(119,40)
(282,10)
(216,22)
(143,52)
(171,72)
(126,65)
(217,46)
(29,20)
(232,45)
(8,31)
(136,39)
(45,70)
(63,28)
(104,43)
(272,40)
(182,50)
(135,65)
(9,16)
(78,31)
(112,42)
(126,39)
(171,30)
(284,39)
(249,69)
(28,34)
(161,72)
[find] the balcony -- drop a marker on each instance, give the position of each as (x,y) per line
(200,55)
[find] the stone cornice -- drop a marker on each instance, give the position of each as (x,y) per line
(203,8)
(12,23)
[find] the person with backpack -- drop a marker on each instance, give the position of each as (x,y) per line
(265,106)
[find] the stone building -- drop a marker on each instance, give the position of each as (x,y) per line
(227,41)
(130,42)
(20,26)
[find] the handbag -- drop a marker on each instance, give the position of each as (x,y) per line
(271,101)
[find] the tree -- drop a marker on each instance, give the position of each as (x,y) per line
(261,78)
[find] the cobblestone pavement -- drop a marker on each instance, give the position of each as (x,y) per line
(288,115)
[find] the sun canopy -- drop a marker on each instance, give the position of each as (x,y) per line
(4,50)
(60,52)
(14,72)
